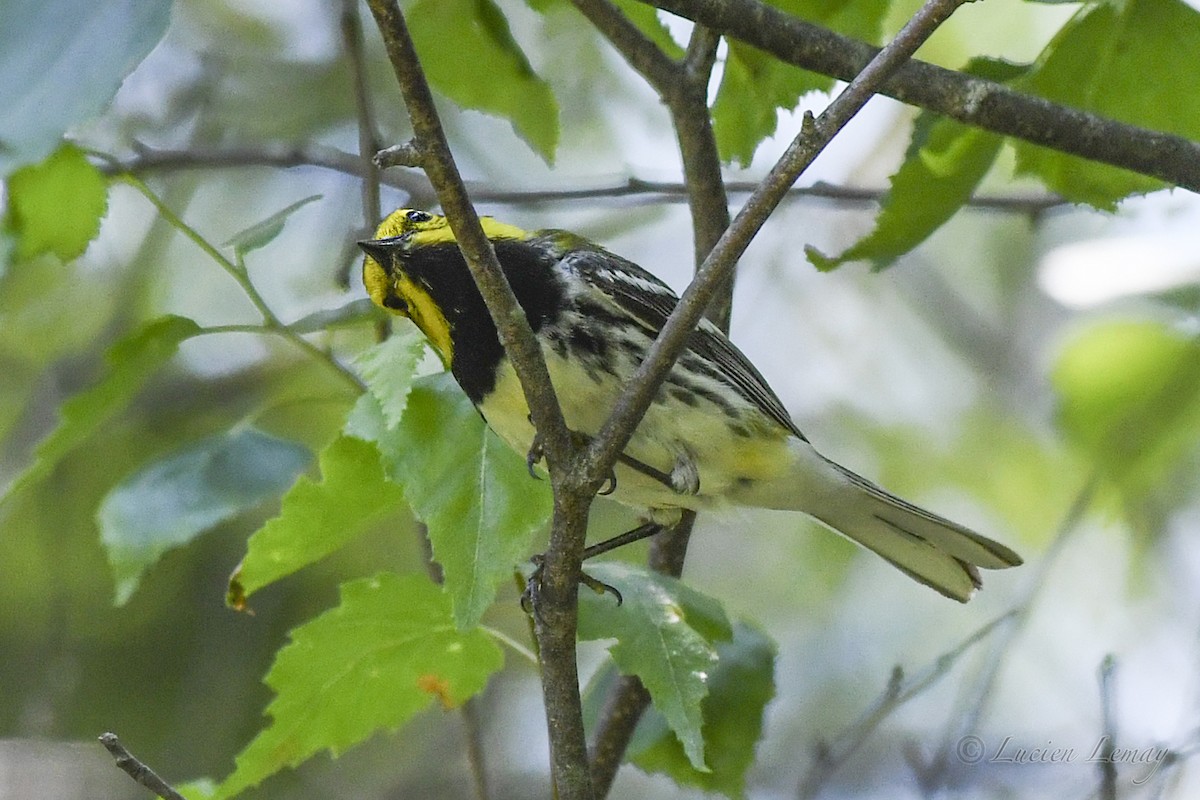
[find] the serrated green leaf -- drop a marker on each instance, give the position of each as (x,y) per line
(317,518)
(925,192)
(472,491)
(1121,61)
(1129,398)
(666,634)
(741,686)
(174,499)
(389,650)
(470,55)
(56,206)
(262,233)
(755,86)
(944,164)
(61,68)
(130,362)
(389,369)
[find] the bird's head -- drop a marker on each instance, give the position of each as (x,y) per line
(413,268)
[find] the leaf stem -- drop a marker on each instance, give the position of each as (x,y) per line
(237,270)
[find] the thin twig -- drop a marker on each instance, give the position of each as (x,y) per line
(970,100)
(149,160)
(271,323)
(814,136)
(1108,768)
(831,756)
(135,769)
(976,695)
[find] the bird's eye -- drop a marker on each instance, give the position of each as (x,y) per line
(418,216)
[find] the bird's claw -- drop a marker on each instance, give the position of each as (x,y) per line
(534,456)
(533,586)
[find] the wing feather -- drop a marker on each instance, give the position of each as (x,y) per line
(649,301)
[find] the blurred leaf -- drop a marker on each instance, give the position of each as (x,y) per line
(389,368)
(1119,60)
(741,686)
(62,65)
(755,86)
(388,651)
(469,54)
(56,206)
(316,519)
(130,362)
(645,17)
(472,491)
(171,501)
(260,234)
(355,312)
(199,789)
(665,634)
(1129,397)
(944,164)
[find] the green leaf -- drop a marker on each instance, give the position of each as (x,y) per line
(56,206)
(63,65)
(389,368)
(130,362)
(470,55)
(665,634)
(1119,60)
(741,686)
(645,17)
(260,234)
(1129,398)
(755,86)
(944,164)
(472,491)
(355,312)
(387,652)
(315,519)
(171,501)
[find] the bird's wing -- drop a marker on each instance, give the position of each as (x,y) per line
(649,302)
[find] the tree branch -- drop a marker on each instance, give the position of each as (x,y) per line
(812,139)
(684,88)
(973,101)
(135,769)
(368,134)
(556,608)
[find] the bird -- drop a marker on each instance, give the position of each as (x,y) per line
(715,435)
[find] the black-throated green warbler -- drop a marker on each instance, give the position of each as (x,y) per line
(716,433)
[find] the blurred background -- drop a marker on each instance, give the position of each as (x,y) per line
(950,378)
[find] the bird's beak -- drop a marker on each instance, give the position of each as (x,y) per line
(381,250)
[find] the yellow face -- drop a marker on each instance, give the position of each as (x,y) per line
(403,233)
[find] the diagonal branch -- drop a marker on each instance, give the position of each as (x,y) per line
(808,144)
(135,769)
(556,609)
(433,151)
(970,100)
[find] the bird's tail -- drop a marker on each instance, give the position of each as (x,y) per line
(928,548)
